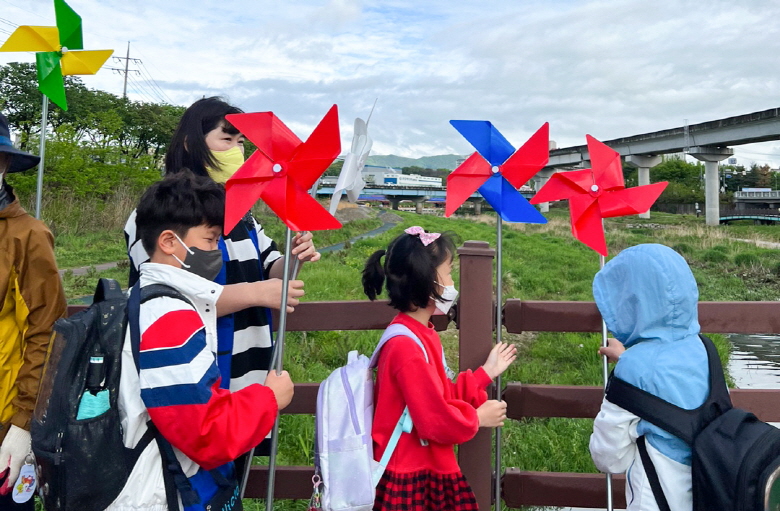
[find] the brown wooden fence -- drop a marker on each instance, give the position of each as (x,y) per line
(475,321)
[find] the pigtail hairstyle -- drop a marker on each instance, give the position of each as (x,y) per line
(409,271)
(374,275)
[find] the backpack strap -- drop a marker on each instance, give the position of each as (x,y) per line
(173,474)
(652,475)
(404,424)
(397,329)
(682,423)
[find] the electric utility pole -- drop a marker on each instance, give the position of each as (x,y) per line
(126,71)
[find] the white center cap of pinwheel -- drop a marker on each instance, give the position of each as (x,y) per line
(495,169)
(64,49)
(594,188)
(277,167)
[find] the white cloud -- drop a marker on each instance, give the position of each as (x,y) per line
(610,68)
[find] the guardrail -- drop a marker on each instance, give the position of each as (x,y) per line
(474,318)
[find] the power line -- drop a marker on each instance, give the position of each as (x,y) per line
(23,9)
(159,98)
(149,76)
(153,83)
(142,89)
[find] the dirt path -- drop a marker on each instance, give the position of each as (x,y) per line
(759,243)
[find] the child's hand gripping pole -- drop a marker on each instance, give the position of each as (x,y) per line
(277,361)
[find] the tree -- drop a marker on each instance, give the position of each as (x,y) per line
(334,169)
(20,99)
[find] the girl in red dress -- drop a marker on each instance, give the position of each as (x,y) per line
(423,473)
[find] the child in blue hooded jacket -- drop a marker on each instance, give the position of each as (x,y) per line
(648,298)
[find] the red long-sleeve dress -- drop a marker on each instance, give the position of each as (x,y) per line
(418,476)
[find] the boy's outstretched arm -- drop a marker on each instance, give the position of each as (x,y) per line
(265,293)
(180,386)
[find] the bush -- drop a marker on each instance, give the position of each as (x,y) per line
(714,256)
(721,248)
(682,248)
(747,259)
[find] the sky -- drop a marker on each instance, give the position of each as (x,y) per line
(608,68)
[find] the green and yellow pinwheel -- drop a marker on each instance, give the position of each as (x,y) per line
(58,52)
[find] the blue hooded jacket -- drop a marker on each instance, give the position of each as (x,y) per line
(648,298)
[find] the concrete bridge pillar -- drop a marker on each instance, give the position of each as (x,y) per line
(418,204)
(711,155)
(540,180)
(477,203)
(644,163)
(394,202)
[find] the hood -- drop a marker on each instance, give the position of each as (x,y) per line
(9,204)
(648,292)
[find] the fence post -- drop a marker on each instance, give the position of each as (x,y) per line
(476,323)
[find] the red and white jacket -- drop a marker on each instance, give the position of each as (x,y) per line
(178,388)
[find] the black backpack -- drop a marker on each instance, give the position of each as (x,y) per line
(734,455)
(83,464)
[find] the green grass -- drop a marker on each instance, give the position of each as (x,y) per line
(541,262)
(90,248)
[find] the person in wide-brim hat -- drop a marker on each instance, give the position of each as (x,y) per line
(31,300)
(20,160)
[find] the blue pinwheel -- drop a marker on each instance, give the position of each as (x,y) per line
(497,171)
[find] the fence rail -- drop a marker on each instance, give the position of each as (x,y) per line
(476,325)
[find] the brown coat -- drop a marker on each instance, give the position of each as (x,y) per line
(31,300)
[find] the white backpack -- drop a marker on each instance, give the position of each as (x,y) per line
(344,452)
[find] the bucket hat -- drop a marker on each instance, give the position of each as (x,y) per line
(20,160)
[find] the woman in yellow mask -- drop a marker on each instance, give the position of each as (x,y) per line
(205,143)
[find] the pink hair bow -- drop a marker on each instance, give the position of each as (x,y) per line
(426,237)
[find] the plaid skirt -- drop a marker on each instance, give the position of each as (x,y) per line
(424,491)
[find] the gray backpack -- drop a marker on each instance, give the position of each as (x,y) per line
(344,452)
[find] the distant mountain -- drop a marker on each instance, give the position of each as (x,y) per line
(443,161)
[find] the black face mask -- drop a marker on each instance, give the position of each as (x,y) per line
(203,263)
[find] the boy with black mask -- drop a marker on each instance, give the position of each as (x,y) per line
(177,382)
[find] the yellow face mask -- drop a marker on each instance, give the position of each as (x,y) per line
(227,162)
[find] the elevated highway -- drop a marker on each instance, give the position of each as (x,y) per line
(416,194)
(709,142)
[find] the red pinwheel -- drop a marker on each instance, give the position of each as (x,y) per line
(597,193)
(282,170)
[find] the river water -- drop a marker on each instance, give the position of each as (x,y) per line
(755,361)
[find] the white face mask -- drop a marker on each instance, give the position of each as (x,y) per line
(448,296)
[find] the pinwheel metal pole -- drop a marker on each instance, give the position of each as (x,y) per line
(605,375)
(42,152)
(499,321)
(297,265)
(278,361)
